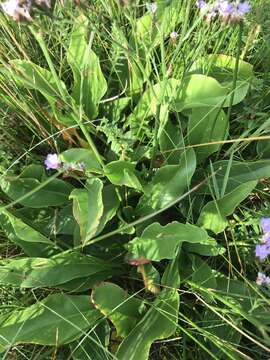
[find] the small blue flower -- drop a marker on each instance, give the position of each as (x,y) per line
(243,8)
(225,8)
(265,224)
(52,161)
(262,251)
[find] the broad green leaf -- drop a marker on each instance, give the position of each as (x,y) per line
(204,91)
(88,208)
(42,219)
(222,67)
(169,182)
(159,322)
(207,125)
(94,346)
(171,143)
(239,173)
(202,275)
(89,82)
(33,171)
(31,241)
(58,319)
(213,215)
(159,242)
(85,156)
(51,272)
(194,91)
(35,77)
(111,204)
(64,222)
(122,172)
(54,193)
(209,248)
(123,310)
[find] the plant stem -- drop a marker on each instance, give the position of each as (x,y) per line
(236,68)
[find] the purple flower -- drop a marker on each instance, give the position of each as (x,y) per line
(265,224)
(262,279)
(52,161)
(243,8)
(225,8)
(262,251)
(201,4)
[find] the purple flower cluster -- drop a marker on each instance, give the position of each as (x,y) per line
(228,11)
(53,162)
(263,249)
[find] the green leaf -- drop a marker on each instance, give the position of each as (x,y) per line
(239,173)
(204,91)
(88,208)
(85,156)
(169,182)
(111,204)
(209,248)
(159,242)
(170,140)
(202,275)
(31,241)
(207,125)
(54,193)
(159,322)
(35,77)
(58,319)
(59,269)
(123,310)
(225,333)
(33,171)
(213,215)
(89,82)
(122,172)
(95,345)
(222,67)
(194,91)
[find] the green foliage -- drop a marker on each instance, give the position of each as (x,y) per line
(159,322)
(52,272)
(123,311)
(163,242)
(89,82)
(155,182)
(59,316)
